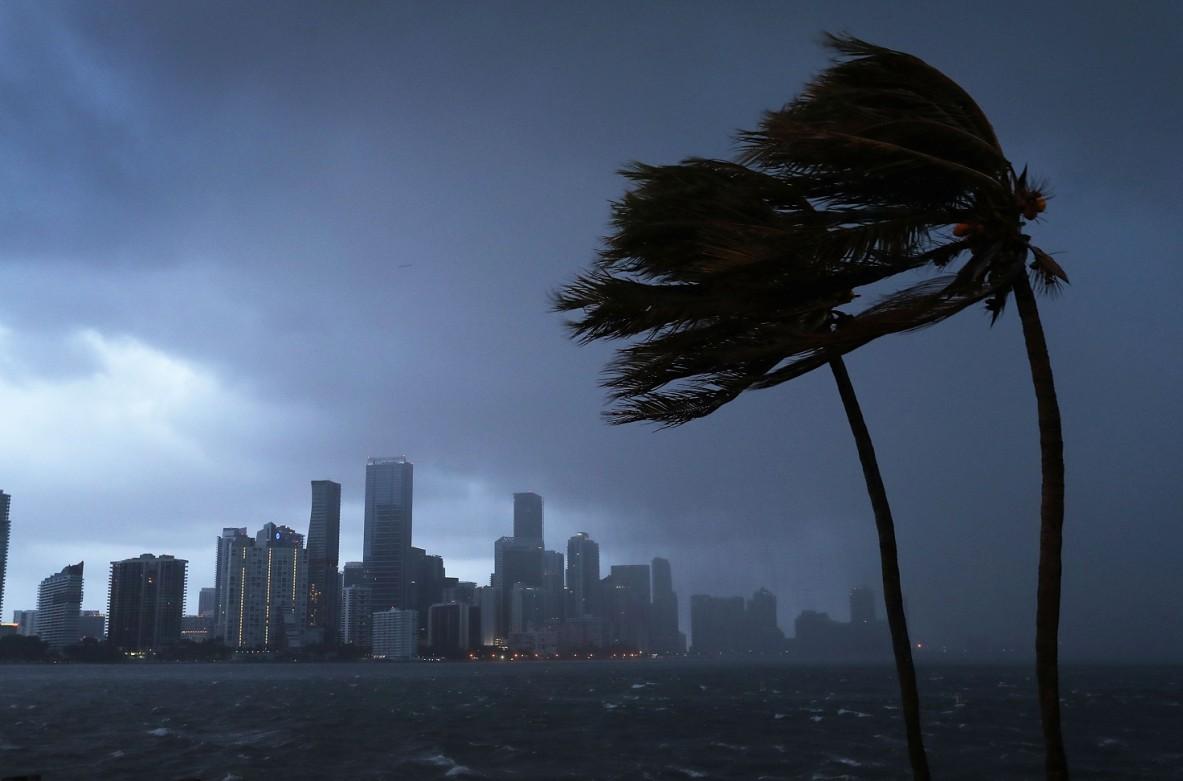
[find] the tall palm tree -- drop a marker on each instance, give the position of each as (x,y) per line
(725,271)
(722,271)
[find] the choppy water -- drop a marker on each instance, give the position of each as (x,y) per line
(564,720)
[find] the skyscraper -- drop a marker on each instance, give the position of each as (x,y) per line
(386,546)
(5,530)
(263,593)
(230,545)
(627,606)
(393,634)
(515,560)
(356,612)
(527,516)
(666,637)
(324,542)
(862,605)
(207,602)
(59,600)
(145,602)
(583,574)
(554,594)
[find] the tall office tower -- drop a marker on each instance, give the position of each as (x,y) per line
(146,600)
(5,531)
(394,634)
(463,592)
(230,545)
(353,574)
(627,606)
(207,602)
(387,542)
(357,606)
(26,622)
(717,624)
(666,637)
(426,585)
(763,635)
(324,542)
(59,600)
(583,574)
(92,623)
(527,516)
(514,561)
(485,599)
(453,629)
(263,599)
(526,608)
(862,605)
(554,595)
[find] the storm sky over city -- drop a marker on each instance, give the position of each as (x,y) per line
(245,246)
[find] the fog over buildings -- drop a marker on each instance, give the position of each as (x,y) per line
(247,247)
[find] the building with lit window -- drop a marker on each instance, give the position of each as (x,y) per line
(146,599)
(59,602)
(262,589)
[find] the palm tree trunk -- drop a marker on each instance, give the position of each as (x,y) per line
(1051,532)
(893,595)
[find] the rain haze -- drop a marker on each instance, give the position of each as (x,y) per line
(245,247)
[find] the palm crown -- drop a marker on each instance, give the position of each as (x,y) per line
(729,275)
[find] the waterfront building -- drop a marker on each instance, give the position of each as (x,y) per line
(485,599)
(26,622)
(515,561)
(145,602)
(453,629)
(263,596)
(526,605)
(324,542)
(527,516)
(583,574)
(230,546)
(554,594)
(207,602)
(196,628)
(394,634)
(92,623)
(426,585)
(626,606)
(5,533)
(664,620)
(59,601)
(356,608)
(386,546)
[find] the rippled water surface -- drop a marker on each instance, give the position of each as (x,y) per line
(570,720)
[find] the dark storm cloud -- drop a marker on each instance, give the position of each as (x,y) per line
(317,233)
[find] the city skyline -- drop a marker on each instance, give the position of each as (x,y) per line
(199,316)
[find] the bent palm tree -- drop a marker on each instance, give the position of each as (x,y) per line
(723,269)
(727,274)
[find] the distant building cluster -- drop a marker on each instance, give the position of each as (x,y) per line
(278,591)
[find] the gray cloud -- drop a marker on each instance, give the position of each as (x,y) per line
(343,223)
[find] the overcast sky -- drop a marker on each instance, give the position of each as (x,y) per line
(244,246)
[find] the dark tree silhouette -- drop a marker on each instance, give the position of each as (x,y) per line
(728,277)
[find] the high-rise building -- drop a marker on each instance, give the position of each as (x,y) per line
(357,607)
(426,585)
(583,574)
(324,542)
(554,594)
(718,625)
(666,638)
(230,545)
(207,602)
(92,623)
(527,516)
(485,599)
(453,629)
(26,622)
(59,601)
(394,634)
(5,532)
(146,600)
(862,605)
(386,546)
(263,593)
(627,606)
(514,561)
(196,629)
(353,574)
(525,608)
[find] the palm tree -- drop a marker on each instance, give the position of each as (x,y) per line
(728,277)
(725,271)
